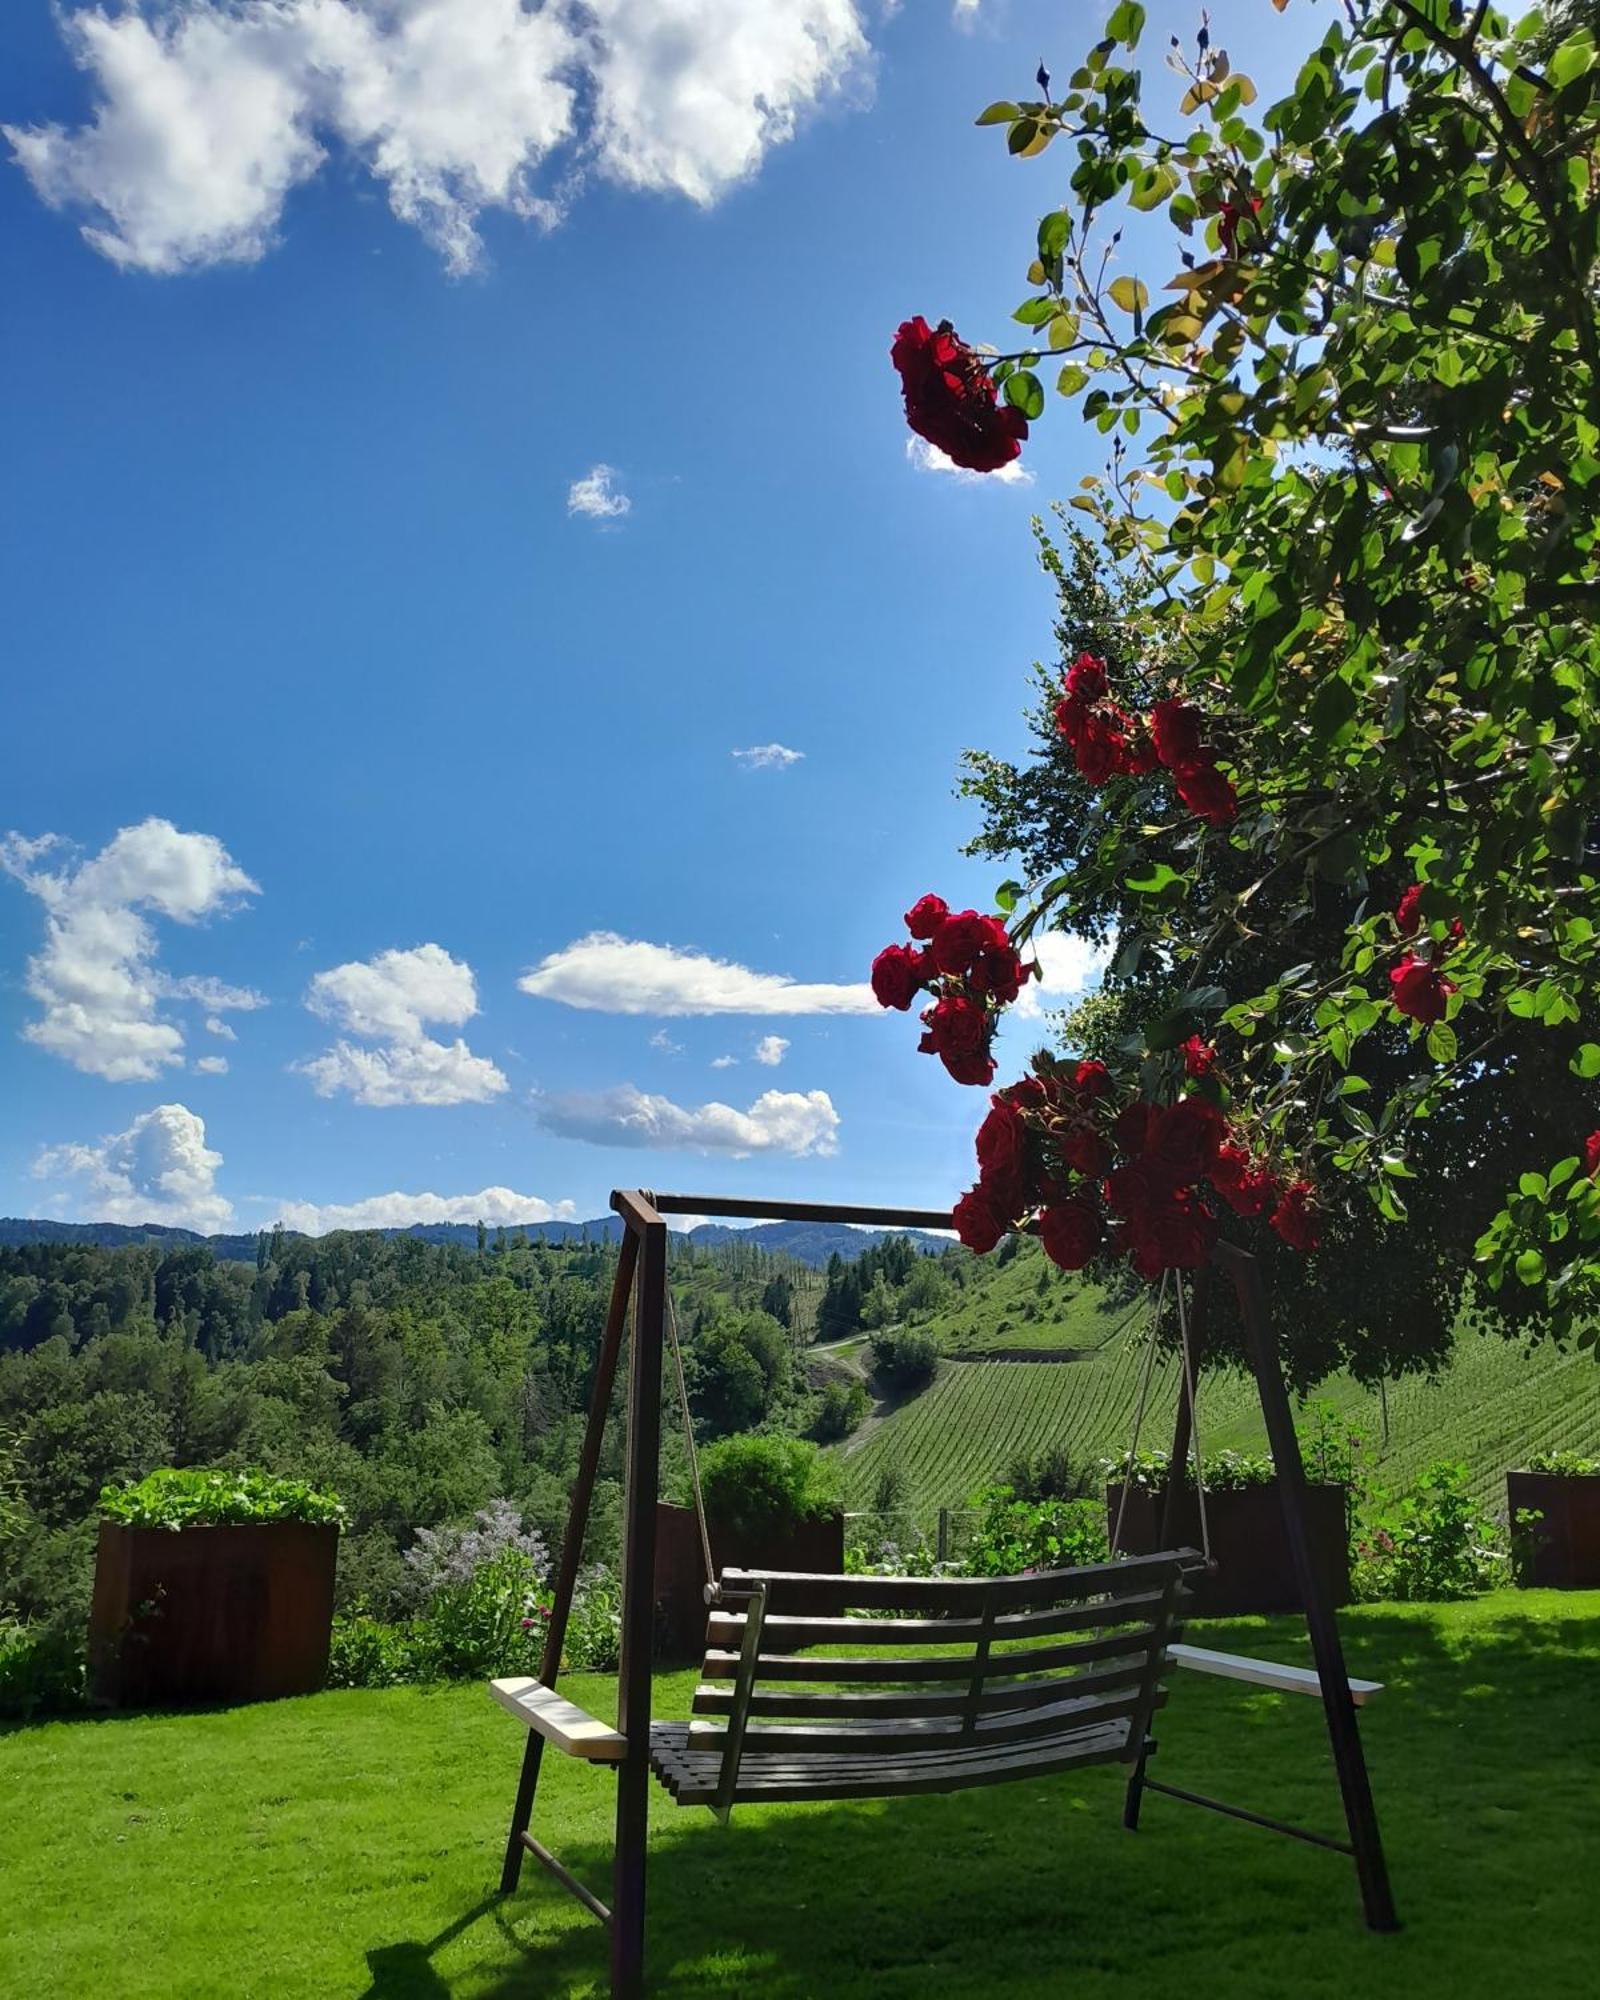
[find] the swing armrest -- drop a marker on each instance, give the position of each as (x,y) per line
(560,1721)
(1264,1673)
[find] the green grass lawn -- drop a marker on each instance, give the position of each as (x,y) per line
(348,1845)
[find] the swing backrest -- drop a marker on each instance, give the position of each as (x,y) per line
(861,1686)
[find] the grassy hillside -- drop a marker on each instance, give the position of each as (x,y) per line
(1497,1403)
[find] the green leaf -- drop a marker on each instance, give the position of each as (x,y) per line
(1130,293)
(1586,1063)
(1053,233)
(1024,392)
(1022,135)
(1531,1267)
(1001,113)
(1442,1042)
(1160,879)
(1071,379)
(1005,897)
(1034,312)
(1127,23)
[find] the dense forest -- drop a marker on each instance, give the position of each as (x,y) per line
(417,1380)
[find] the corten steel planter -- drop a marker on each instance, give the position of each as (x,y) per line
(211,1614)
(1562,1548)
(816,1547)
(1248,1543)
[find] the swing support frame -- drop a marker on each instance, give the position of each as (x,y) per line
(642,1274)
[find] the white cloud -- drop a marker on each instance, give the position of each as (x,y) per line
(767,757)
(724,1062)
(663,1041)
(212,1065)
(96,977)
(780,1121)
(1068,964)
(207,114)
(609,974)
(389,1000)
(496,1207)
(159,1170)
(215,1025)
(927,457)
(597,496)
(771,1050)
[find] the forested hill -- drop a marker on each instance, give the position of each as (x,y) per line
(811,1243)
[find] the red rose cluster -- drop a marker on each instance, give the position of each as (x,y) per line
(1143,1182)
(972,969)
(1417,985)
(950,398)
(1109,742)
(1591,1156)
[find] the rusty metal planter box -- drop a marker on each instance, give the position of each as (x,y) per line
(1248,1541)
(1563,1546)
(211,1614)
(816,1547)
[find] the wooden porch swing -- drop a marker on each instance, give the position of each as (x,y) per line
(963,1681)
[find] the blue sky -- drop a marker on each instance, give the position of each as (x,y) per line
(434,448)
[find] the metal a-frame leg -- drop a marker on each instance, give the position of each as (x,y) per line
(555,1639)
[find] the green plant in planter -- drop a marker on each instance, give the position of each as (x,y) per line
(197,1498)
(1564,1464)
(1430,1544)
(765,1484)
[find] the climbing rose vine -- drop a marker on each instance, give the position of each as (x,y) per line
(1345,351)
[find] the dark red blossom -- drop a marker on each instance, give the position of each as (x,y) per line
(1175,726)
(1091,1080)
(950,398)
(1591,1155)
(1083,1149)
(1002,1140)
(1295,1218)
(958,1034)
(898,973)
(1028,1093)
(1199,1057)
(1230,216)
(977,1225)
(1086,679)
(1182,1138)
(926,915)
(1207,793)
(1420,990)
(1244,1184)
(1409,917)
(1071,1232)
(1177,1234)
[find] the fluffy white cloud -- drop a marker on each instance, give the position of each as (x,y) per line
(96,977)
(390,1000)
(609,974)
(724,1062)
(215,1025)
(209,113)
(1068,966)
(497,1207)
(597,496)
(212,1065)
(159,1170)
(927,457)
(771,1050)
(767,757)
(780,1121)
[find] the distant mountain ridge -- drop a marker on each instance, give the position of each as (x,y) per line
(807,1242)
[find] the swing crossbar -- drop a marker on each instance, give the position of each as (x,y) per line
(560,1722)
(1265,1673)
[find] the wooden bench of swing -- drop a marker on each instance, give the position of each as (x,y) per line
(830,1688)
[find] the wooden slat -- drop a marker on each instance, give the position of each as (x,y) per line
(560,1721)
(1264,1673)
(963,1594)
(909,1734)
(981,1697)
(958,1667)
(726,1627)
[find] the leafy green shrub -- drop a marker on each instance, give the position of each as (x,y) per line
(594,1627)
(366,1653)
(1013,1534)
(843,1406)
(1051,1475)
(43,1666)
(767,1484)
(490,1623)
(199,1499)
(905,1357)
(1430,1544)
(1564,1464)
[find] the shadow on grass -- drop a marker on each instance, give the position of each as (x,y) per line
(1481,1751)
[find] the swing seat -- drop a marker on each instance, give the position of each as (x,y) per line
(957,1682)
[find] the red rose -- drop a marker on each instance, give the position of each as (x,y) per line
(1295,1217)
(1139,754)
(998,970)
(1408,912)
(961,941)
(1207,793)
(1175,725)
(1184,1137)
(926,915)
(1071,715)
(950,398)
(1002,1140)
(958,1034)
(1100,745)
(977,1225)
(1591,1155)
(1027,1092)
(1199,1057)
(1420,990)
(1091,1080)
(1176,1234)
(1071,1232)
(1229,216)
(898,973)
(1084,1149)
(1132,1128)
(1137,1189)
(1086,679)
(1247,1188)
